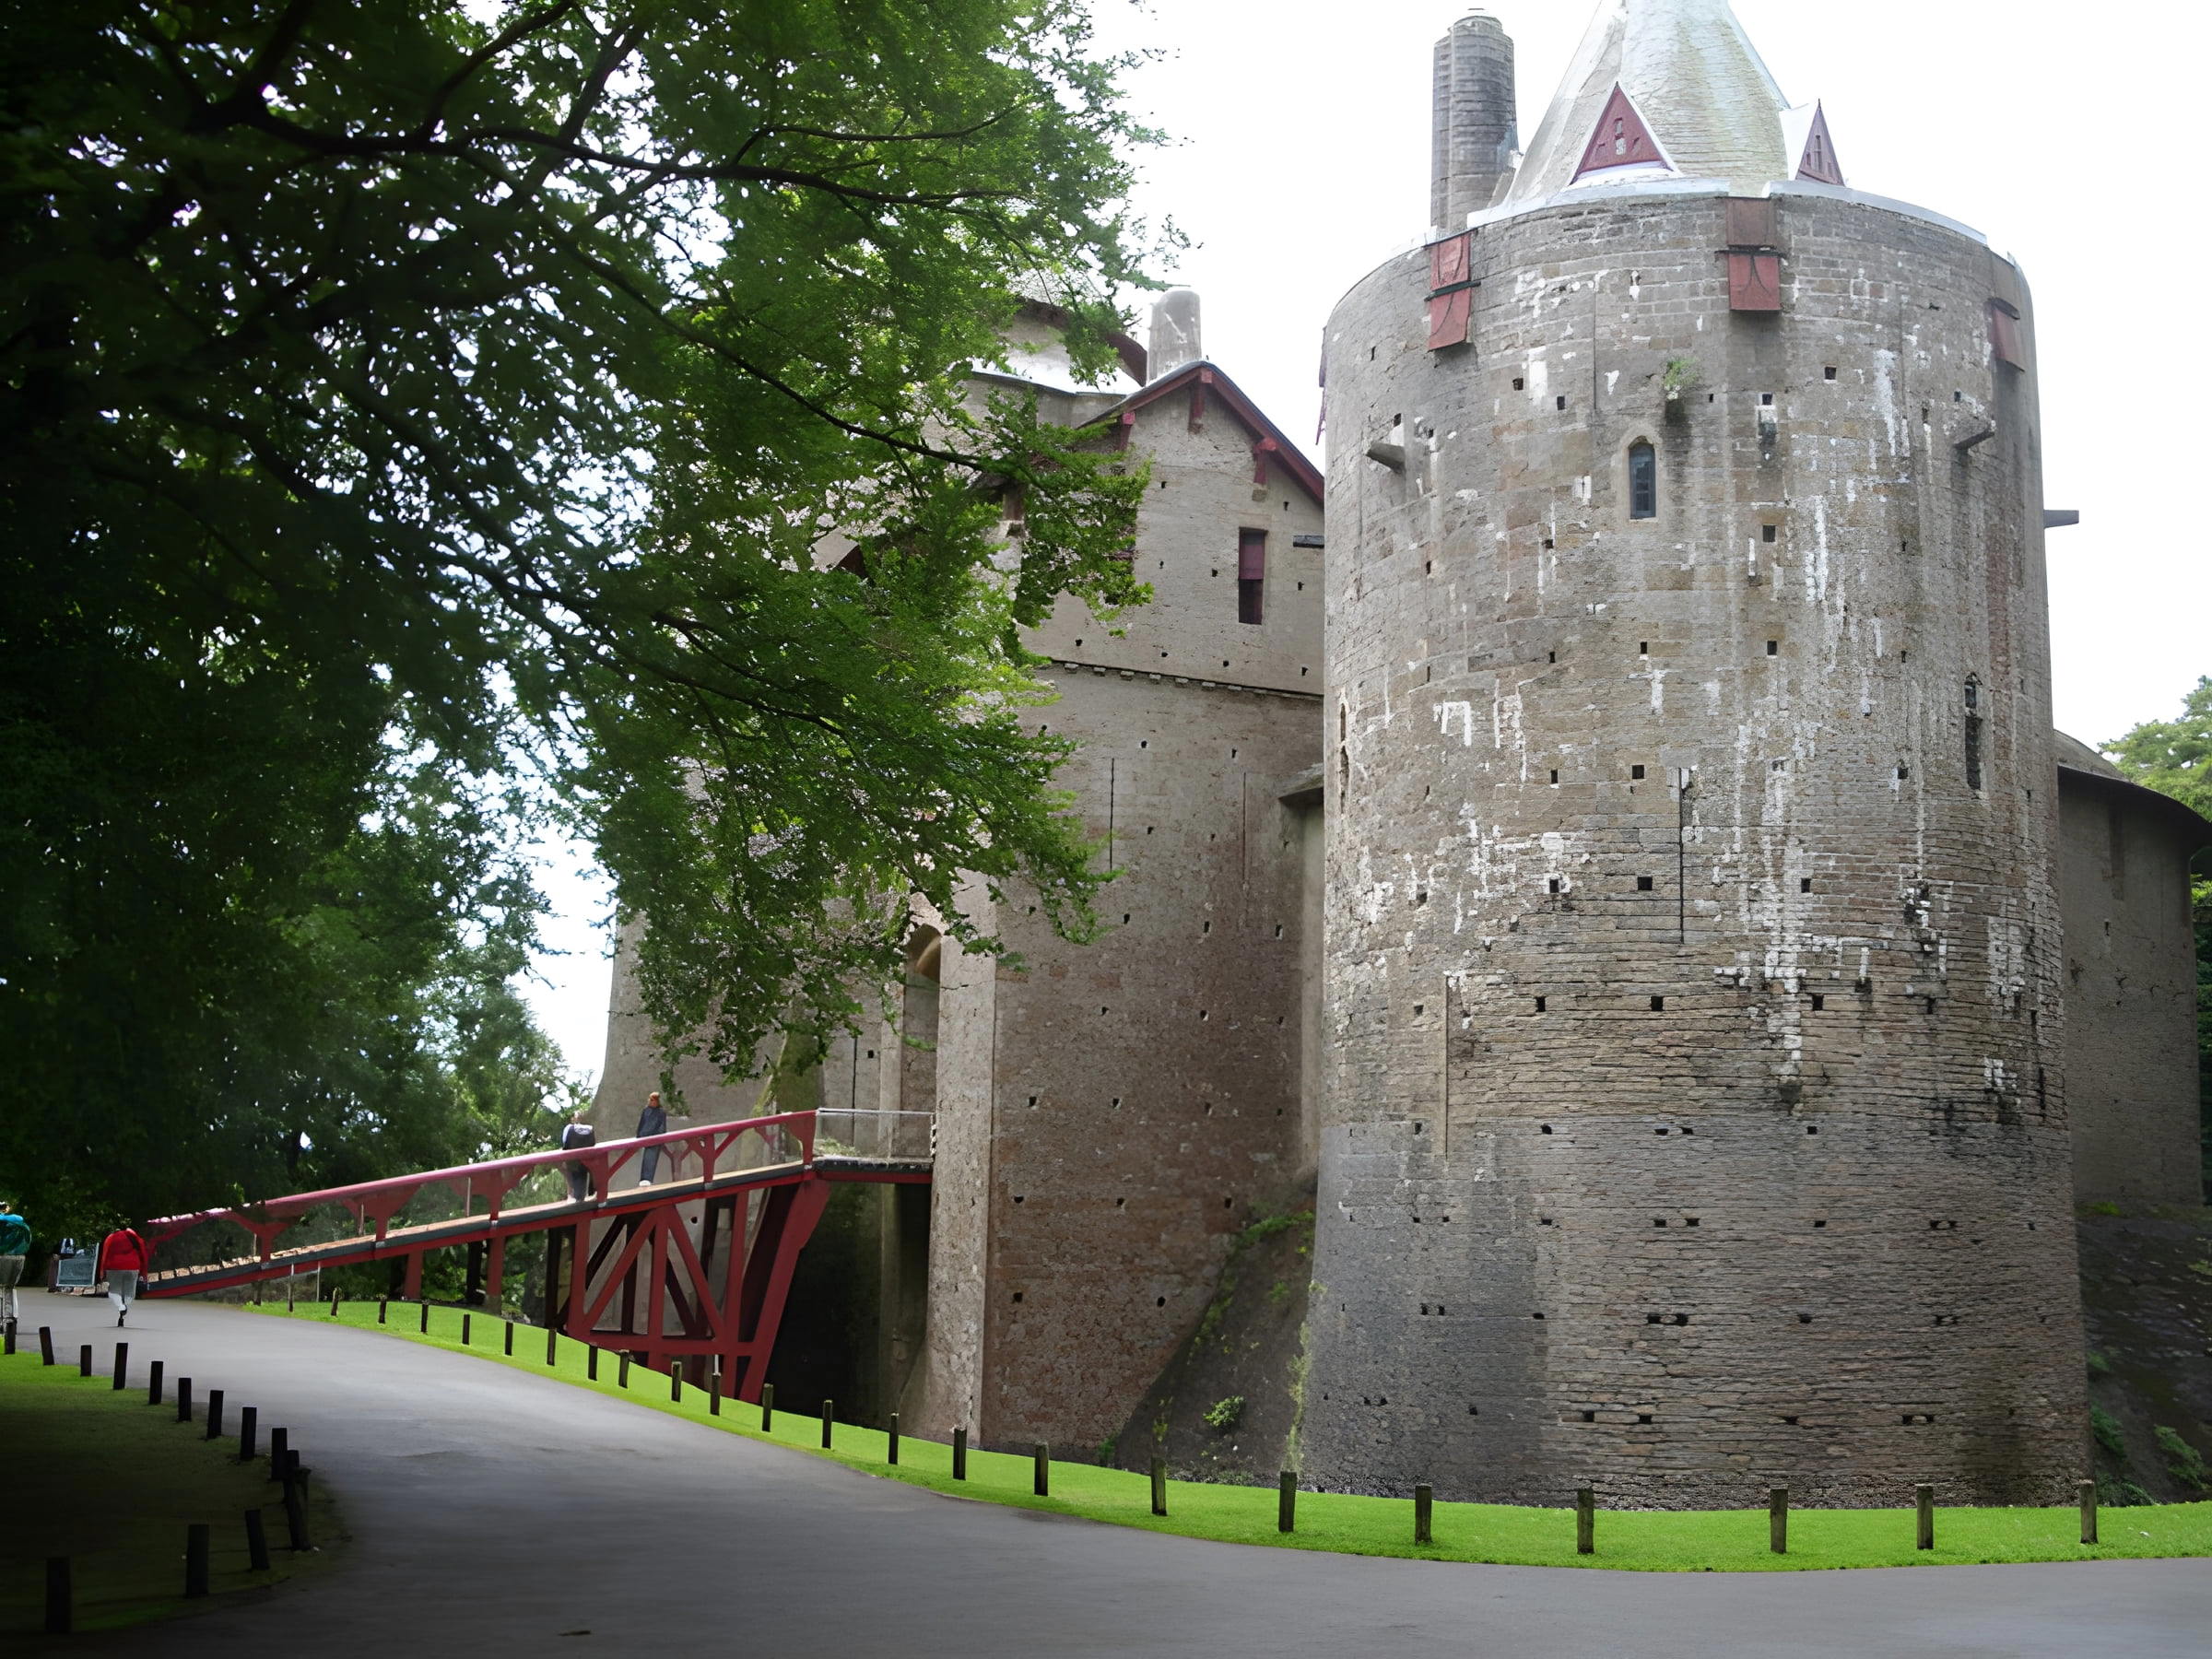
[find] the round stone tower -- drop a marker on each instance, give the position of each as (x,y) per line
(1692,1122)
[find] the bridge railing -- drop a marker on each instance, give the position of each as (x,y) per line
(704,1150)
(864,1132)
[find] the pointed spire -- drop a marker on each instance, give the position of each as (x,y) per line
(1817,159)
(1688,73)
(1621,140)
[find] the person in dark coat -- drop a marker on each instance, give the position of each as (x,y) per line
(576,1135)
(15,1245)
(653,1120)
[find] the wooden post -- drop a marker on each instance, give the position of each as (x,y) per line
(714,1388)
(1585,1521)
(891,1441)
(2087,1490)
(295,1508)
(257,1542)
(215,1414)
(121,1379)
(1286,1502)
(383,1306)
(1159,1485)
(676,1380)
(510,1338)
(184,1399)
(959,1454)
(591,1362)
(84,1359)
(153,1384)
(768,1406)
(1424,1515)
(279,1452)
(196,1561)
(1924,1495)
(828,1421)
(552,1344)
(622,1376)
(1042,1485)
(46,1353)
(334,1304)
(425,1318)
(7,1338)
(249,1421)
(466,1335)
(61,1605)
(1778,1520)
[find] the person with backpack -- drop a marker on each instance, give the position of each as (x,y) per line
(15,1245)
(123,1258)
(578,1134)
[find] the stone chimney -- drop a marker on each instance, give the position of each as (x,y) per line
(1175,339)
(1475,126)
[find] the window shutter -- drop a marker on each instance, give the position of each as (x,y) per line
(1252,555)
(1449,316)
(1451,290)
(1754,282)
(2005,334)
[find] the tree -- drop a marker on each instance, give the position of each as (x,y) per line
(391,393)
(2174,757)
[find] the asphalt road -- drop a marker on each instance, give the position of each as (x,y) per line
(496,1513)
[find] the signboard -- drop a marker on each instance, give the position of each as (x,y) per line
(73,1275)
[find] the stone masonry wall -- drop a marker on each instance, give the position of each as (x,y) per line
(2131,998)
(1693,1117)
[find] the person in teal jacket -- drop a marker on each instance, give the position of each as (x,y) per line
(15,1245)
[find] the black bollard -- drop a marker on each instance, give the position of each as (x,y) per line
(119,1379)
(84,1361)
(959,1454)
(891,1440)
(46,1352)
(1286,1502)
(334,1304)
(7,1338)
(1585,1521)
(1925,1499)
(828,1421)
(257,1542)
(295,1508)
(1424,1515)
(383,1306)
(279,1452)
(676,1381)
(425,1318)
(622,1376)
(510,1338)
(465,1319)
(196,1561)
(1159,1485)
(591,1362)
(153,1384)
(215,1414)
(2087,1491)
(552,1339)
(714,1390)
(1778,1520)
(1041,1483)
(249,1419)
(61,1605)
(184,1399)
(768,1406)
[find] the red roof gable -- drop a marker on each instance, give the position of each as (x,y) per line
(1268,441)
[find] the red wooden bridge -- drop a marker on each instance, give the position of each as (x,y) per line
(697,1265)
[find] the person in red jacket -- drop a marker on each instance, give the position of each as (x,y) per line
(123,1258)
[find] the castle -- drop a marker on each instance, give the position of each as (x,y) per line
(1607,842)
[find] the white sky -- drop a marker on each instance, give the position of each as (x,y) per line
(2070,135)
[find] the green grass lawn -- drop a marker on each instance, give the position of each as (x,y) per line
(1720,1541)
(112,1482)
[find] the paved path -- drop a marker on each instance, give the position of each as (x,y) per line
(496,1512)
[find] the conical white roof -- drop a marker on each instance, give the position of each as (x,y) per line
(1695,79)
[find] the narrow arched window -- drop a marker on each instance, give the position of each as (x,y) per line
(1973,734)
(1643,481)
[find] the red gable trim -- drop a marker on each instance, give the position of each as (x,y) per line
(1621,139)
(1268,441)
(1819,163)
